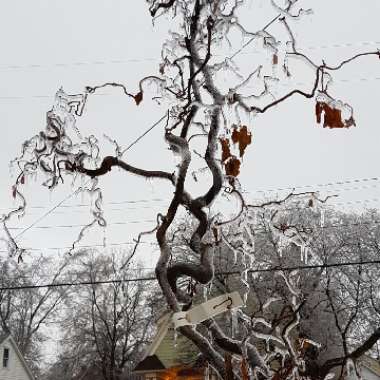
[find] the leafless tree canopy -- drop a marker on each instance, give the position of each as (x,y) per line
(310,304)
(200,106)
(105,328)
(25,314)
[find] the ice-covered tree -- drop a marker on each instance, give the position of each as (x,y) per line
(210,100)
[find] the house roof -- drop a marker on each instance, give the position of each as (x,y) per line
(371,364)
(150,363)
(168,350)
(9,337)
(3,337)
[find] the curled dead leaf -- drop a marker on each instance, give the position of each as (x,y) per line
(244,370)
(226,153)
(138,98)
(242,137)
(232,166)
(332,117)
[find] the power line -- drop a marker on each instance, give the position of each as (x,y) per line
(318,185)
(43,216)
(83,225)
(105,203)
(268,190)
(227,273)
(317,227)
(107,245)
(78,63)
(144,134)
(152,59)
(359,201)
(75,191)
(335,191)
(374,222)
(287,84)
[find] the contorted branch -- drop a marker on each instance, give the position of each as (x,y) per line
(236,347)
(110,161)
(312,93)
(157,5)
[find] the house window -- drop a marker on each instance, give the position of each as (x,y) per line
(5,357)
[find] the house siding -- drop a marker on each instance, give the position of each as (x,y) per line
(15,369)
(366,374)
(177,353)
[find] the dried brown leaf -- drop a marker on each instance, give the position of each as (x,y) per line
(332,117)
(226,153)
(232,166)
(228,364)
(318,111)
(244,370)
(138,97)
(242,137)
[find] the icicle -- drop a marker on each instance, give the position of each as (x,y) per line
(234,322)
(207,372)
(235,256)
(306,255)
(209,288)
(244,280)
(281,245)
(251,237)
(322,221)
(104,237)
(303,252)
(252,261)
(175,337)
(205,293)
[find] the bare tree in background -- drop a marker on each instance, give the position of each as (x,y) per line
(106,326)
(24,313)
(206,98)
(334,274)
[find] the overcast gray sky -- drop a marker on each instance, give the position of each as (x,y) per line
(49,43)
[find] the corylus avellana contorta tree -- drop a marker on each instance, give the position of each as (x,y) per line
(206,96)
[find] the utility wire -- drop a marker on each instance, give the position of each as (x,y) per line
(268,190)
(287,84)
(87,246)
(84,225)
(151,59)
(75,191)
(226,273)
(359,201)
(47,213)
(126,209)
(316,227)
(144,134)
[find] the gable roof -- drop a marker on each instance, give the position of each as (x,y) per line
(150,363)
(371,364)
(9,337)
(167,350)
(3,337)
